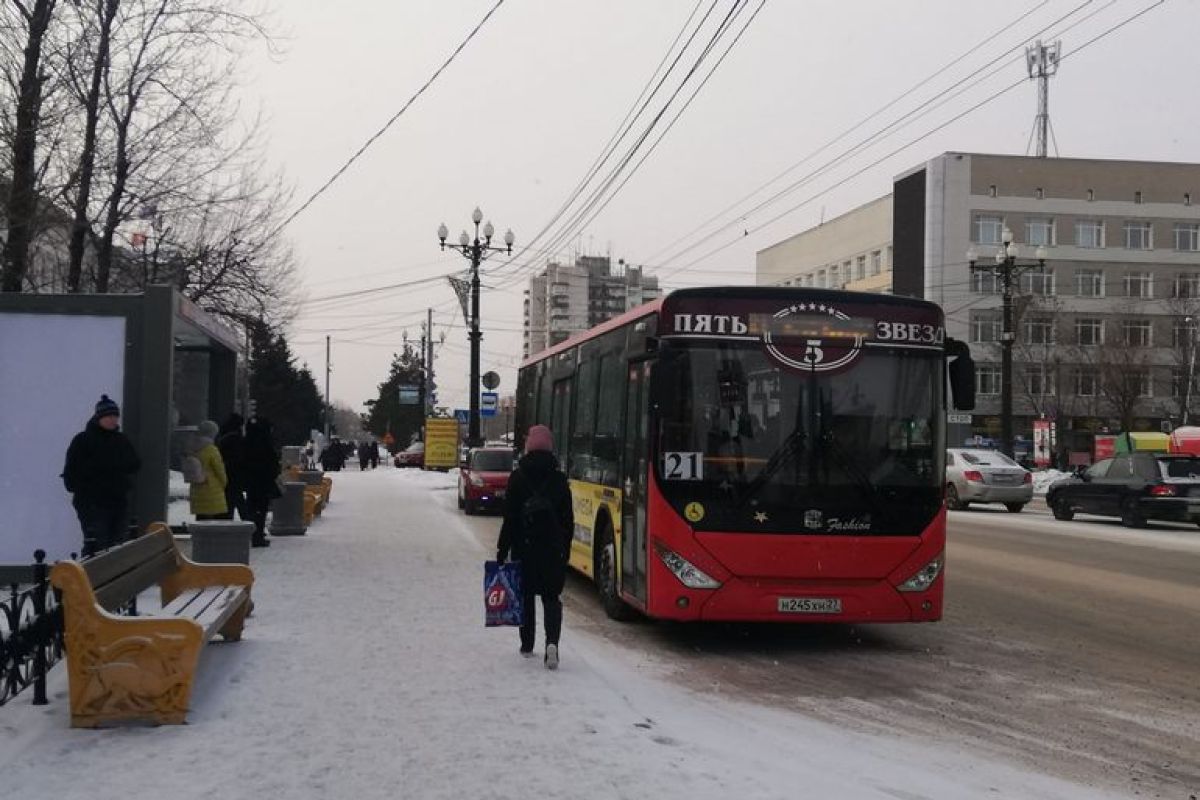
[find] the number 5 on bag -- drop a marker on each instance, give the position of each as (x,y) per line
(502,593)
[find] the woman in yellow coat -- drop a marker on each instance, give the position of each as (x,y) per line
(207,498)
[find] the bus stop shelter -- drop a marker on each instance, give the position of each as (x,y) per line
(166,362)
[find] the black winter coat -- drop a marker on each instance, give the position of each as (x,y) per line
(545,571)
(232,445)
(260,464)
(100,466)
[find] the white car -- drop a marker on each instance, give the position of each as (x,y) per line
(986,476)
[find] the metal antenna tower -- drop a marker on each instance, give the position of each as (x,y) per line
(1042,62)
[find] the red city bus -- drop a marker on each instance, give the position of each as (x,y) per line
(753,453)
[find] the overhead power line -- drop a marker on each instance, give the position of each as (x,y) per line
(897,150)
(930,104)
(390,122)
(567,230)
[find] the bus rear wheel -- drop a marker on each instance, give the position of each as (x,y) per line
(606,575)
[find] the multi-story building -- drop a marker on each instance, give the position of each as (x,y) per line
(566,299)
(1105,331)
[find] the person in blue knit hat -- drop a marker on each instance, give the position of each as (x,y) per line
(101,463)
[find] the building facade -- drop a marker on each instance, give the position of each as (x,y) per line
(1105,330)
(565,299)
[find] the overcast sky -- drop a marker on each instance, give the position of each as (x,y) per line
(518,118)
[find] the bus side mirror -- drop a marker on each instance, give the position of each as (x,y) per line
(962,374)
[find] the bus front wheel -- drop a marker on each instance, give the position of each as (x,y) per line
(606,575)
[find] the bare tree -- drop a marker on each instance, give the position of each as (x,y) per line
(101,13)
(23,197)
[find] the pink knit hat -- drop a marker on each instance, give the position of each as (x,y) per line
(539,438)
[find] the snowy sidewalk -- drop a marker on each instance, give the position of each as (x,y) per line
(366,672)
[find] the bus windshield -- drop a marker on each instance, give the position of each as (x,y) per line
(748,445)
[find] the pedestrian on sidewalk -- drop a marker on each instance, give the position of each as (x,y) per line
(538,525)
(206,474)
(262,477)
(232,445)
(99,470)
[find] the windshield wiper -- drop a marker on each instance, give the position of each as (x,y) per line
(789,448)
(860,478)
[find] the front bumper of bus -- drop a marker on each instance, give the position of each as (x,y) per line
(682,590)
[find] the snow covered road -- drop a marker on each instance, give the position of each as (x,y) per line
(366,673)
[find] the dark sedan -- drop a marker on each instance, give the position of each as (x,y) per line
(1135,487)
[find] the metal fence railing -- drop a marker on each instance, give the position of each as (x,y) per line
(31,629)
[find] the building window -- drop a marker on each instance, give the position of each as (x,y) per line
(1038,281)
(835,277)
(847,273)
(1039,330)
(1136,332)
(987,380)
(1187,198)
(876,262)
(984,283)
(1039,193)
(985,327)
(988,228)
(992,190)
(860,268)
(1181,333)
(1179,382)
(1085,382)
(821,278)
(1089,282)
(1039,231)
(1187,236)
(1137,197)
(1187,284)
(1089,233)
(1138,236)
(1089,332)
(1139,284)
(1142,382)
(1039,380)
(1091,194)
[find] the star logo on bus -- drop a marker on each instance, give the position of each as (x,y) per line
(760,516)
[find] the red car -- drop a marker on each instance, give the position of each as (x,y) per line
(483,478)
(414,456)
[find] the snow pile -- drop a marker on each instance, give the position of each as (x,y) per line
(1042,481)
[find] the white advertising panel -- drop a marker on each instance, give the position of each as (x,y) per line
(53,369)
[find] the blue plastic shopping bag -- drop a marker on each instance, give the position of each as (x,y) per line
(502,597)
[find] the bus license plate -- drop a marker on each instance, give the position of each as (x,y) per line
(810,605)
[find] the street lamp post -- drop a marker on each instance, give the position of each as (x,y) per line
(475,251)
(1191,373)
(1008,271)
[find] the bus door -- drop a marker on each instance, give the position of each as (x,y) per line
(635,466)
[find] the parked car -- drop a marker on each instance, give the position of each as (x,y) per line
(986,476)
(412,456)
(1135,487)
(483,478)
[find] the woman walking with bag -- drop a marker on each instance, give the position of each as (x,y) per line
(539,522)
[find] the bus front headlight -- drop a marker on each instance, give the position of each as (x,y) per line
(687,572)
(925,576)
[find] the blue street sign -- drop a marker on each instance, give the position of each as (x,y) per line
(462,415)
(488,403)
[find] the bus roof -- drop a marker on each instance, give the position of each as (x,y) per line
(644,310)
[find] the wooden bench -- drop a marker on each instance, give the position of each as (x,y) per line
(142,667)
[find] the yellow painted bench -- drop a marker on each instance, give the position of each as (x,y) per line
(142,668)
